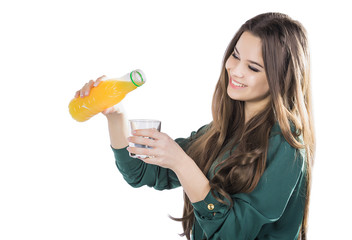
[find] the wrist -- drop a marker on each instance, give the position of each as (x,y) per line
(194,182)
(114,116)
(185,163)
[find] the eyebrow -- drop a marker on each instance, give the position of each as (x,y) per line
(253,62)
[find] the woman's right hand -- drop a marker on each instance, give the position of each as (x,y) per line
(85,91)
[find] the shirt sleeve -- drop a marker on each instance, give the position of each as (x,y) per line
(138,173)
(265,204)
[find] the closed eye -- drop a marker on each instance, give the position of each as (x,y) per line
(253,68)
(249,66)
(235,56)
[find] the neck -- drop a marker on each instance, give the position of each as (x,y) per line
(253,108)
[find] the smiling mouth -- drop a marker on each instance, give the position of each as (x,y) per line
(237,84)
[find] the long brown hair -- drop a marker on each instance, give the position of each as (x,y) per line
(286,62)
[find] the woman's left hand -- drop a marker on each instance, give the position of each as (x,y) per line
(165,152)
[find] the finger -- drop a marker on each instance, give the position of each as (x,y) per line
(150,160)
(99,79)
(77,94)
(142,141)
(141,151)
(83,90)
(108,110)
(81,93)
(151,132)
(86,88)
(114,109)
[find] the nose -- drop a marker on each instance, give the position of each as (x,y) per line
(236,70)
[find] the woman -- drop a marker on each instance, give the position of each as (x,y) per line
(246,175)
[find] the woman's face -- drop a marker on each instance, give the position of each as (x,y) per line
(245,69)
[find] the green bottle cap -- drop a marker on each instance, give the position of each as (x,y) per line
(137,78)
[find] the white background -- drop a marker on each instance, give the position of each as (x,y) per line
(58,178)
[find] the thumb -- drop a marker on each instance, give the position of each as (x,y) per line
(118,108)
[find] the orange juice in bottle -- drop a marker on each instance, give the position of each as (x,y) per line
(107,94)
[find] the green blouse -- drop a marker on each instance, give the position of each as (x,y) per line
(273,210)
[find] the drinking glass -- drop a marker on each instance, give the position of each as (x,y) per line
(142,124)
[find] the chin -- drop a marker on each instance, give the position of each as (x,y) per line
(233,95)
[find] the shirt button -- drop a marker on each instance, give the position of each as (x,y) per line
(211,206)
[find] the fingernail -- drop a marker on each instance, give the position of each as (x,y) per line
(86,93)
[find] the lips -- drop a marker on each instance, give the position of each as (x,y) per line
(236,84)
